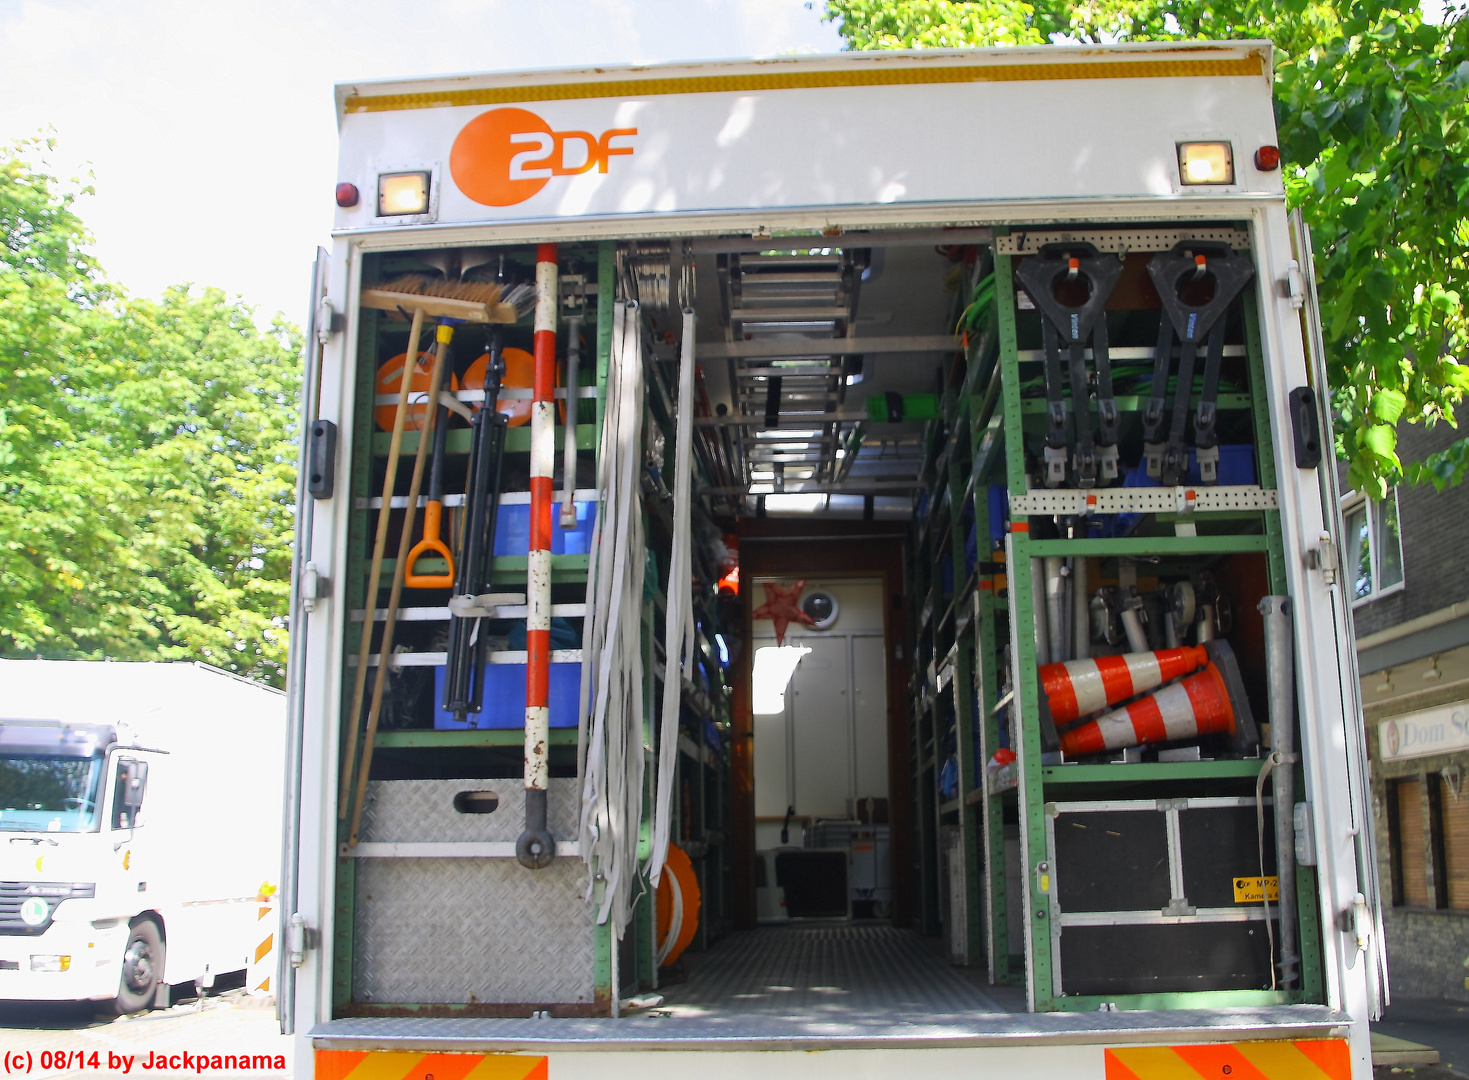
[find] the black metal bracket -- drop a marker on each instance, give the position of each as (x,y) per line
(1305,424)
(321,460)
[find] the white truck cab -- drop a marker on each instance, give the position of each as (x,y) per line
(127,857)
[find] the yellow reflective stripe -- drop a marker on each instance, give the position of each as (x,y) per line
(806,80)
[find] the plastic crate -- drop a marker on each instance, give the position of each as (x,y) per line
(512,529)
(504,698)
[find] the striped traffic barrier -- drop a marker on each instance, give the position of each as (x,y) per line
(262,957)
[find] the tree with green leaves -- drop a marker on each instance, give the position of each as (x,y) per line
(147,454)
(1372,105)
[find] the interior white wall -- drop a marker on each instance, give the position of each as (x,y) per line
(830,744)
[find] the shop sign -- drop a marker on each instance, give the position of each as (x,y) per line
(1419,734)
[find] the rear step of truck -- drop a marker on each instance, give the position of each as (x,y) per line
(785,992)
(1288,1041)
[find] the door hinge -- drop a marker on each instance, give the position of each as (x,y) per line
(314,587)
(1324,558)
(299,938)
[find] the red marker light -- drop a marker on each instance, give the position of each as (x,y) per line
(1267,158)
(347,195)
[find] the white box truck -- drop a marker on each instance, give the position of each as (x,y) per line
(1022,342)
(139,845)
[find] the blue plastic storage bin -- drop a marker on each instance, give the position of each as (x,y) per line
(505,698)
(999,497)
(512,529)
(1236,465)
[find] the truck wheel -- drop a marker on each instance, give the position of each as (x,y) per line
(142,968)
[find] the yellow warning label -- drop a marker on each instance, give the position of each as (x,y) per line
(1249,890)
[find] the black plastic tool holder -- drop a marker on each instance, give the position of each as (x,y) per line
(1040,276)
(1171,271)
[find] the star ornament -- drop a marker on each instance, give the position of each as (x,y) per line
(782,608)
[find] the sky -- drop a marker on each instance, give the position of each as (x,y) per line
(208,130)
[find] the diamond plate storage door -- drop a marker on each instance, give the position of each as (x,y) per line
(410,910)
(438,923)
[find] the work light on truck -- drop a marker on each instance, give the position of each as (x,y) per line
(1206,163)
(402,194)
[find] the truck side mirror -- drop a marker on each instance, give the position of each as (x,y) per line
(127,798)
(135,782)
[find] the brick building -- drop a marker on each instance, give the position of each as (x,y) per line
(1409,559)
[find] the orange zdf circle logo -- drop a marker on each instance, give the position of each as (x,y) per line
(505,156)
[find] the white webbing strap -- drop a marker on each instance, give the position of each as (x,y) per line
(678,629)
(610,754)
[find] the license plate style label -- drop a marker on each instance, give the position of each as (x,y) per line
(1252,890)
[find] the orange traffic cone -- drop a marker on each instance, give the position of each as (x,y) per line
(1208,702)
(1078,687)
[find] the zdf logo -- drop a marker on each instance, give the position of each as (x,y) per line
(505,156)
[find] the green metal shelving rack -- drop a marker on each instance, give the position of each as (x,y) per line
(959,638)
(566,570)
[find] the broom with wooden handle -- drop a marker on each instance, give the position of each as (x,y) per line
(395,594)
(380,543)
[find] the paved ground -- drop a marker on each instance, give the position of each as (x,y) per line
(96,1046)
(1443,1025)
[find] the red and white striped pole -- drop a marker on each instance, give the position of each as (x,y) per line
(536,847)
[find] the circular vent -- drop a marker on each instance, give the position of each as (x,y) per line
(822,607)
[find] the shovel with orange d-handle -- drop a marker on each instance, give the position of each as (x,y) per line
(433,513)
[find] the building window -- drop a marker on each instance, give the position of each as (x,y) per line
(1454,802)
(1428,841)
(1405,843)
(1373,546)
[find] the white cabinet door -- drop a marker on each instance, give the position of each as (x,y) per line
(822,729)
(772,753)
(870,716)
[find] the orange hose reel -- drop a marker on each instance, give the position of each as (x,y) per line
(390,379)
(678,895)
(520,371)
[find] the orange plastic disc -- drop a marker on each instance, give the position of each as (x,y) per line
(520,372)
(678,868)
(390,379)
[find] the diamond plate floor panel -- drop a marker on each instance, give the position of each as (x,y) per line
(841,970)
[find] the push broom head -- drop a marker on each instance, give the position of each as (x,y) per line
(472,301)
